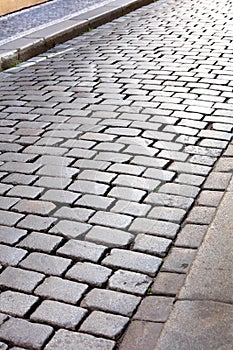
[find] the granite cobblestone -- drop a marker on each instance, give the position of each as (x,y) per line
(105,146)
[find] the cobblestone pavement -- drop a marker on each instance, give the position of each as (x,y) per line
(17,23)
(104,150)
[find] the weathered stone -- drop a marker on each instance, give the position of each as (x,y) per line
(59,314)
(111,301)
(20,279)
(16,304)
(133,261)
(109,237)
(89,273)
(82,250)
(62,290)
(167,283)
(154,309)
(131,282)
(103,324)
(64,339)
(23,333)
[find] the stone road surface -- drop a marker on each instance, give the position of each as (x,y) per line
(104,150)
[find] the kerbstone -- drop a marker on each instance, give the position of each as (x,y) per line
(154,309)
(188,326)
(167,283)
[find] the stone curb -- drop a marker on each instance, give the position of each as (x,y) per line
(37,42)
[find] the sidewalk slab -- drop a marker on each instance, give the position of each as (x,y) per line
(198,325)
(202,317)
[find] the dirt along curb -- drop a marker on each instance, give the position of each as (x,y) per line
(39,41)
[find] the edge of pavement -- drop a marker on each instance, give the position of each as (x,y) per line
(202,315)
(41,40)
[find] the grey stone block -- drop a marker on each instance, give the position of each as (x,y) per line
(167,214)
(94,202)
(201,215)
(59,314)
(131,208)
(111,219)
(152,245)
(36,223)
(11,235)
(16,304)
(62,290)
(19,279)
(70,229)
(109,237)
(105,325)
(53,265)
(133,261)
(40,241)
(68,340)
(131,282)
(10,255)
(154,227)
(82,250)
(23,333)
(34,207)
(111,301)
(89,273)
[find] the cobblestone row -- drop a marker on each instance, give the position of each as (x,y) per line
(104,151)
